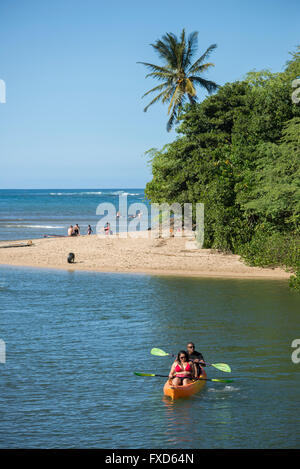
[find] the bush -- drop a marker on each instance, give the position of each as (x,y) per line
(274,250)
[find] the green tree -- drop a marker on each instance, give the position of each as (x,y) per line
(274,195)
(238,152)
(179,76)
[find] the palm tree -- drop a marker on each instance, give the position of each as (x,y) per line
(178,74)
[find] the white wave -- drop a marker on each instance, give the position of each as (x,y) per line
(227,388)
(35,226)
(92,193)
(121,193)
(75,193)
(64,193)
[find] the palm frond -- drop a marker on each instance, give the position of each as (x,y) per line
(171,120)
(156,88)
(173,98)
(155,68)
(165,49)
(175,49)
(202,58)
(175,113)
(210,86)
(178,98)
(202,68)
(191,49)
(169,93)
(157,98)
(161,76)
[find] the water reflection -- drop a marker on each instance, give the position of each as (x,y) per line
(222,423)
(181,419)
(188,420)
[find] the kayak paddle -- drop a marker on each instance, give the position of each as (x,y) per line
(219,366)
(166,376)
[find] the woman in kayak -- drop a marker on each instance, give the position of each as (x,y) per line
(182,370)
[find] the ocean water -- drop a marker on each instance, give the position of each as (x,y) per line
(71,341)
(28,214)
(74,339)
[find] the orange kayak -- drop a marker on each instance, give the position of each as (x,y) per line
(175,392)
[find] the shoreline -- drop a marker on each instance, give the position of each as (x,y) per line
(159,273)
(136,255)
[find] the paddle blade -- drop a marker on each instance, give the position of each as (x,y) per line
(143,374)
(158,352)
(222,367)
(223,380)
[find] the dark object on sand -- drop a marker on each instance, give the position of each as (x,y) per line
(71,257)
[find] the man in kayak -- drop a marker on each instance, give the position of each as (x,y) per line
(195,357)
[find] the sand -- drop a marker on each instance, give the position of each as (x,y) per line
(166,256)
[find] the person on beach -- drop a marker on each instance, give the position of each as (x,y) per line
(107,228)
(89,230)
(76,230)
(183,370)
(70,230)
(196,357)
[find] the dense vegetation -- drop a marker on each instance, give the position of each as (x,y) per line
(238,152)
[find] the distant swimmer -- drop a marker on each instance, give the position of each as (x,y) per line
(89,230)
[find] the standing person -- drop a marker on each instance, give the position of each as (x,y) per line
(183,370)
(196,357)
(89,230)
(107,228)
(70,230)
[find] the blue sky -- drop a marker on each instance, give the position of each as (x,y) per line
(73,116)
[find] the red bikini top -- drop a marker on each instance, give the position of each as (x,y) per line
(187,368)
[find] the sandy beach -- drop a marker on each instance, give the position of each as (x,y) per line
(166,256)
